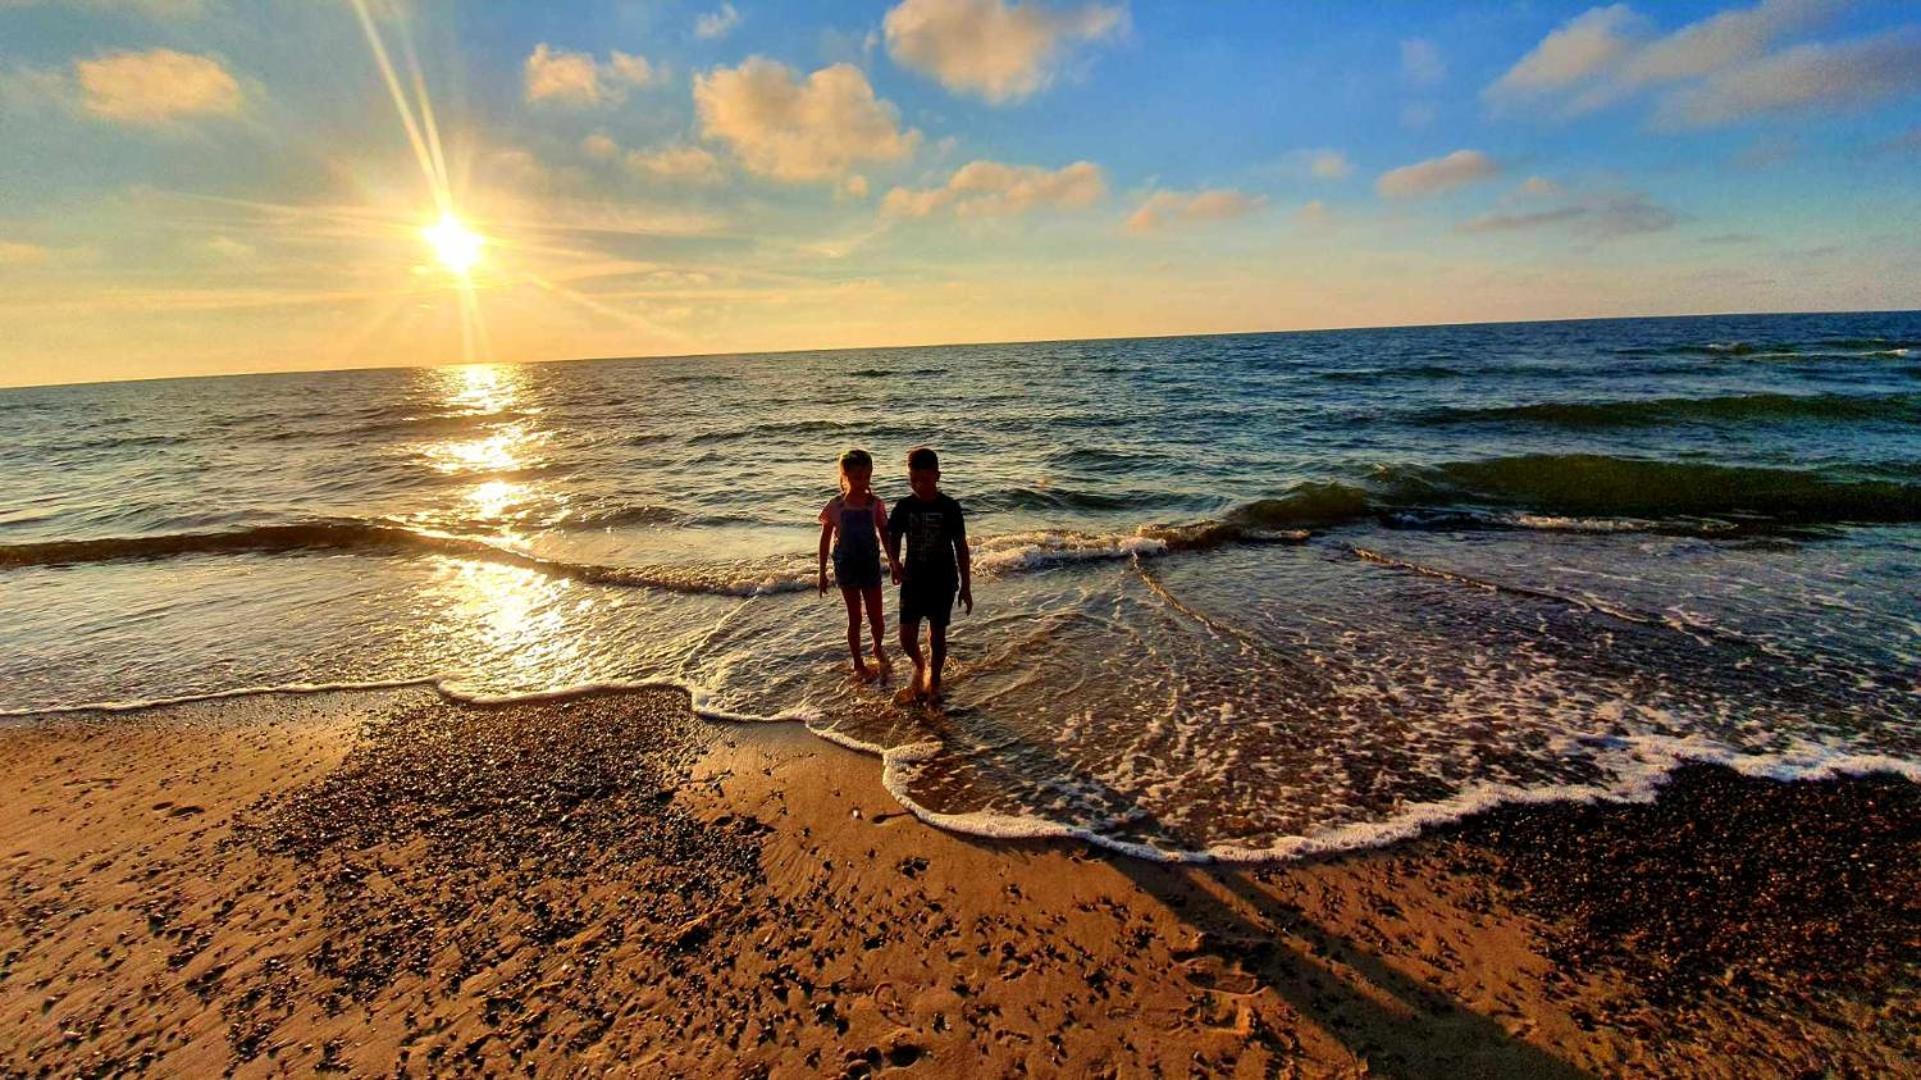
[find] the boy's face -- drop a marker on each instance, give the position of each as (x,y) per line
(925,482)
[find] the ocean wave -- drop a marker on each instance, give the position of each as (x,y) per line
(862,430)
(350,535)
(1599,486)
(1374,375)
(1903,408)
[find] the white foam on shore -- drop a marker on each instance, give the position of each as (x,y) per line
(1641,763)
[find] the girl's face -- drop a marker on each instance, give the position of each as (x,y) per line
(858,477)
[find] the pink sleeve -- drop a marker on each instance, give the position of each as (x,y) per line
(827,514)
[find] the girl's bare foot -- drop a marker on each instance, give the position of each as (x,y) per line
(905,695)
(863,673)
(883,668)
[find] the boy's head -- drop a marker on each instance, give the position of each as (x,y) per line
(923,472)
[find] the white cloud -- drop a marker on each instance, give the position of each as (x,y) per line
(1328,164)
(717,24)
(1314,212)
(1436,175)
(989,48)
(992,189)
(1421,62)
(1164,208)
(600,147)
(1717,70)
(155,86)
(787,128)
(1843,75)
(676,164)
(1599,217)
(559,77)
(1582,47)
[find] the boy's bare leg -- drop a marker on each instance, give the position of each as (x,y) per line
(852,597)
(937,639)
(910,644)
(877,621)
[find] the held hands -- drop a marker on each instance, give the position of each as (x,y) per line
(893,571)
(967,598)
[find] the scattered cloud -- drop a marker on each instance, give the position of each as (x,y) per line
(1538,187)
(1581,48)
(600,147)
(993,189)
(1164,208)
(1719,70)
(1314,212)
(788,128)
(854,187)
(1435,175)
(1844,75)
(1731,238)
(1328,164)
(1421,62)
(715,25)
(156,86)
(556,76)
(1598,217)
(676,164)
(14,253)
(227,247)
(989,48)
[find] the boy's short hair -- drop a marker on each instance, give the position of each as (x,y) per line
(922,457)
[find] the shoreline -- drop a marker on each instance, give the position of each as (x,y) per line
(383,880)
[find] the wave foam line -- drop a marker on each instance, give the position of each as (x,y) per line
(1647,762)
(701,699)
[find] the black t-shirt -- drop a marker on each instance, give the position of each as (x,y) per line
(929,529)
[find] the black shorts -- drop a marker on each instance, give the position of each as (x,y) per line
(933,601)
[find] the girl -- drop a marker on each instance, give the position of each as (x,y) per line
(854,524)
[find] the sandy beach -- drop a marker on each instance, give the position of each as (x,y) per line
(388,883)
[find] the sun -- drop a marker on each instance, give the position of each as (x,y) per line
(457,246)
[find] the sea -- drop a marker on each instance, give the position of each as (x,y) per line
(1240,597)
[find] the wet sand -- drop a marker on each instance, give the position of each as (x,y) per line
(392,884)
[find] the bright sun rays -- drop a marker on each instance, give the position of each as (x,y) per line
(454,244)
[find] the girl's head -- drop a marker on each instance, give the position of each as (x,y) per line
(856,471)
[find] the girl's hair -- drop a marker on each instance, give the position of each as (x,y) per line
(854,459)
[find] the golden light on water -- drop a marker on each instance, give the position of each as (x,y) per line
(454,244)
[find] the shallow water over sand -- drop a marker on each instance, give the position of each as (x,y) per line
(1240,595)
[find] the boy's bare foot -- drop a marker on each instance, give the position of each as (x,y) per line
(934,696)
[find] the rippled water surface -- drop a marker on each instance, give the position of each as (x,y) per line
(1241,595)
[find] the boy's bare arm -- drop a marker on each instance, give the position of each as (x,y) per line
(963,558)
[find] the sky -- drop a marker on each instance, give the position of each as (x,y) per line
(195,187)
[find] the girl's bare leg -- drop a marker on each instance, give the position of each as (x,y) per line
(877,622)
(852,599)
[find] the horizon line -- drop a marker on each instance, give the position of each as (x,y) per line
(732,354)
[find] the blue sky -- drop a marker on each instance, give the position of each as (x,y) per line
(197,186)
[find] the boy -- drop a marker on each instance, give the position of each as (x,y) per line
(936,563)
